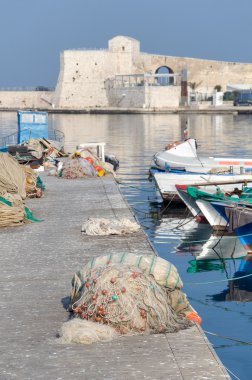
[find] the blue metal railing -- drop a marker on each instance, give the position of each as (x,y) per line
(12,139)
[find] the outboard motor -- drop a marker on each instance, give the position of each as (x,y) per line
(112,160)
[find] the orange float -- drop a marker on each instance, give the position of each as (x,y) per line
(194,317)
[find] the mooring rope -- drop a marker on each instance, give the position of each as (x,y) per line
(228,338)
(217,281)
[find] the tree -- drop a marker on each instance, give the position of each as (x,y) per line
(218,88)
(194,85)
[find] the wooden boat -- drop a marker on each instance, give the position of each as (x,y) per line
(166,182)
(183,156)
(200,202)
(239,219)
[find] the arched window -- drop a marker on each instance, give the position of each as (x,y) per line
(164,80)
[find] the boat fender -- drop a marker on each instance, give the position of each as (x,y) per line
(167,167)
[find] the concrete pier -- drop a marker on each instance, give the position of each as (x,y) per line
(37,262)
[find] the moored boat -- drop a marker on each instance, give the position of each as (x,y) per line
(166,182)
(182,155)
(239,218)
(202,201)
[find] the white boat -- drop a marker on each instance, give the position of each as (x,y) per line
(219,248)
(189,201)
(213,216)
(182,155)
(166,182)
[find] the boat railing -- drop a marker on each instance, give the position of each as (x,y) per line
(12,139)
(58,135)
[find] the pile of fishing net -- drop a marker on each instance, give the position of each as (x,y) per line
(12,210)
(77,167)
(100,166)
(16,182)
(32,184)
(12,176)
(102,226)
(83,164)
(133,294)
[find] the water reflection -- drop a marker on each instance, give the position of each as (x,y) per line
(134,139)
(240,289)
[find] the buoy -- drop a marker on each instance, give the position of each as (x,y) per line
(90,160)
(101,173)
(98,168)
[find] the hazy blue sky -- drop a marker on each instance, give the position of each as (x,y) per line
(34,32)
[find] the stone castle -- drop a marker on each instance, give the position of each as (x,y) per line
(124,77)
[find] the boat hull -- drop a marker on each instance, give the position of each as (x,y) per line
(182,155)
(166,182)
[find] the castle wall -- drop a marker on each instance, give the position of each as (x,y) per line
(130,97)
(25,99)
(83,76)
(144,97)
(162,96)
(205,73)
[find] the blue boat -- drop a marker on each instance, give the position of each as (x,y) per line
(239,220)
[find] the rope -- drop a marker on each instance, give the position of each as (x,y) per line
(228,338)
(236,377)
(217,237)
(133,187)
(217,281)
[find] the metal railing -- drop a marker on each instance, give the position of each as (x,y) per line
(12,139)
(25,88)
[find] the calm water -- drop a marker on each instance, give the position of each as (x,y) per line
(175,236)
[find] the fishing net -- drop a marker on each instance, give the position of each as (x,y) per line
(31,182)
(127,299)
(11,214)
(15,199)
(219,170)
(164,272)
(102,226)
(12,176)
(35,147)
(77,168)
(98,164)
(85,332)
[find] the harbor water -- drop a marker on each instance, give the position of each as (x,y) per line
(206,263)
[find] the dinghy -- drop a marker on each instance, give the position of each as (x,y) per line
(182,155)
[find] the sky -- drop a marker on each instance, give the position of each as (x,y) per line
(34,32)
